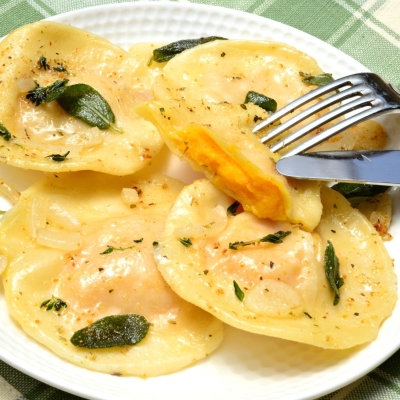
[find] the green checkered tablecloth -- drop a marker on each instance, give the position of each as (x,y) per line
(367,30)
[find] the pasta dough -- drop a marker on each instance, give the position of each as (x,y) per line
(103,215)
(44,52)
(200,114)
(217,140)
(286,293)
(226,70)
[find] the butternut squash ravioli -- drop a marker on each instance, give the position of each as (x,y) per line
(99,238)
(278,287)
(205,117)
(38,59)
(90,248)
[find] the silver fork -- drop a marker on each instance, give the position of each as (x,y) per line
(368,94)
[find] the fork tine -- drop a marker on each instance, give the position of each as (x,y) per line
(361,102)
(334,130)
(314,109)
(352,80)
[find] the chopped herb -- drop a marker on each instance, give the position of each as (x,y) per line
(138,240)
(54,302)
(233,208)
(357,193)
(46,93)
(261,100)
(308,315)
(243,106)
(110,249)
(58,157)
(318,80)
(61,68)
(331,263)
(169,51)
(186,242)
(239,292)
(155,244)
(275,238)
(111,331)
(5,133)
(43,63)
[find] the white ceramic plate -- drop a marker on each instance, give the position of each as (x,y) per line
(246,365)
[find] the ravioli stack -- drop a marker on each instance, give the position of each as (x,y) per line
(88,236)
(299,262)
(107,235)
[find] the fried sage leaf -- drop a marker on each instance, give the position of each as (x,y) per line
(86,103)
(318,80)
(46,93)
(332,264)
(261,100)
(170,50)
(80,100)
(111,331)
(357,193)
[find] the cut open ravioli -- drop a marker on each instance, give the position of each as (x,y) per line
(217,139)
(278,289)
(87,239)
(226,70)
(45,52)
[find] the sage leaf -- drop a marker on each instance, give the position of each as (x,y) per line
(46,93)
(331,263)
(86,103)
(111,331)
(262,101)
(165,53)
(357,193)
(318,80)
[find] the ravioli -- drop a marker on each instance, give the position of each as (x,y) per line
(281,288)
(217,140)
(226,70)
(149,69)
(45,52)
(91,246)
